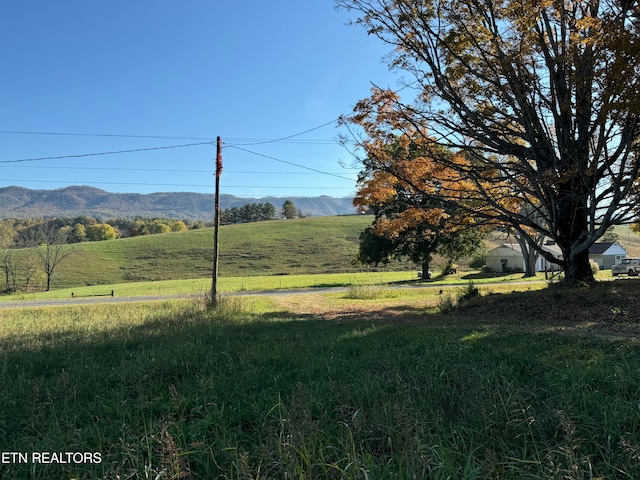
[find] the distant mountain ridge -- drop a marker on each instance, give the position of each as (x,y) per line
(19,202)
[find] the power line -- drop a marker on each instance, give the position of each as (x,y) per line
(290,163)
(239,140)
(114,135)
(233,140)
(60,157)
(161,170)
(299,141)
(210,141)
(294,135)
(288,139)
(183,185)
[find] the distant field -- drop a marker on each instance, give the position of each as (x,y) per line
(280,247)
(629,240)
(196,286)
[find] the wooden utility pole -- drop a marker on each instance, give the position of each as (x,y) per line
(216,230)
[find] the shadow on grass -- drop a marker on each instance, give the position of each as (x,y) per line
(330,285)
(194,394)
(485,275)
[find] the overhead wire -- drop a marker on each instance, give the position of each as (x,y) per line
(232,143)
(238,140)
(114,135)
(276,140)
(163,170)
(289,163)
(182,184)
(82,155)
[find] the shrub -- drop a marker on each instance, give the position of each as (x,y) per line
(469,291)
(367,292)
(595,268)
(446,304)
(478,262)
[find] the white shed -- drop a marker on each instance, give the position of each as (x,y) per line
(508,258)
(607,254)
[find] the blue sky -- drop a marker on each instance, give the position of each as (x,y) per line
(113,73)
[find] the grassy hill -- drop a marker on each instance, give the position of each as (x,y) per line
(280,247)
(628,239)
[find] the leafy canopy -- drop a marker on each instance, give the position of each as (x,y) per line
(539,97)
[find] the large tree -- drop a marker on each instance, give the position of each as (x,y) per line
(400,183)
(540,95)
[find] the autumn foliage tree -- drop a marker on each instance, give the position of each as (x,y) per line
(540,96)
(404,185)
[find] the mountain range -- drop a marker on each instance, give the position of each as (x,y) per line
(19,202)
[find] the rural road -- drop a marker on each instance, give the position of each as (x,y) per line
(62,302)
(154,298)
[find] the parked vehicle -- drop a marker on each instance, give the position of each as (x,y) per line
(626,266)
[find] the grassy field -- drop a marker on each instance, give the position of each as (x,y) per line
(283,248)
(628,239)
(201,286)
(280,247)
(370,383)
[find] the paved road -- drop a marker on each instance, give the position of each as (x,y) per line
(83,301)
(62,302)
(155,298)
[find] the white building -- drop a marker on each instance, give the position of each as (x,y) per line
(508,257)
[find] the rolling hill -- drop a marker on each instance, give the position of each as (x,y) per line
(277,247)
(19,202)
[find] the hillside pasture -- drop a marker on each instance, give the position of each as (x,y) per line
(280,247)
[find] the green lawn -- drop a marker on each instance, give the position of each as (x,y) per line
(281,247)
(539,384)
(278,282)
(225,285)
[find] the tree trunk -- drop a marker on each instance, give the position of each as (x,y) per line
(530,256)
(577,269)
(530,264)
(425,271)
(573,228)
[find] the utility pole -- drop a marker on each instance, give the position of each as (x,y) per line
(216,230)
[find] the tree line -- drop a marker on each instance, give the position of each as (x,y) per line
(27,232)
(31,249)
(23,233)
(258,212)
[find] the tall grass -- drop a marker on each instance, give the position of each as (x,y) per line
(368,292)
(174,390)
